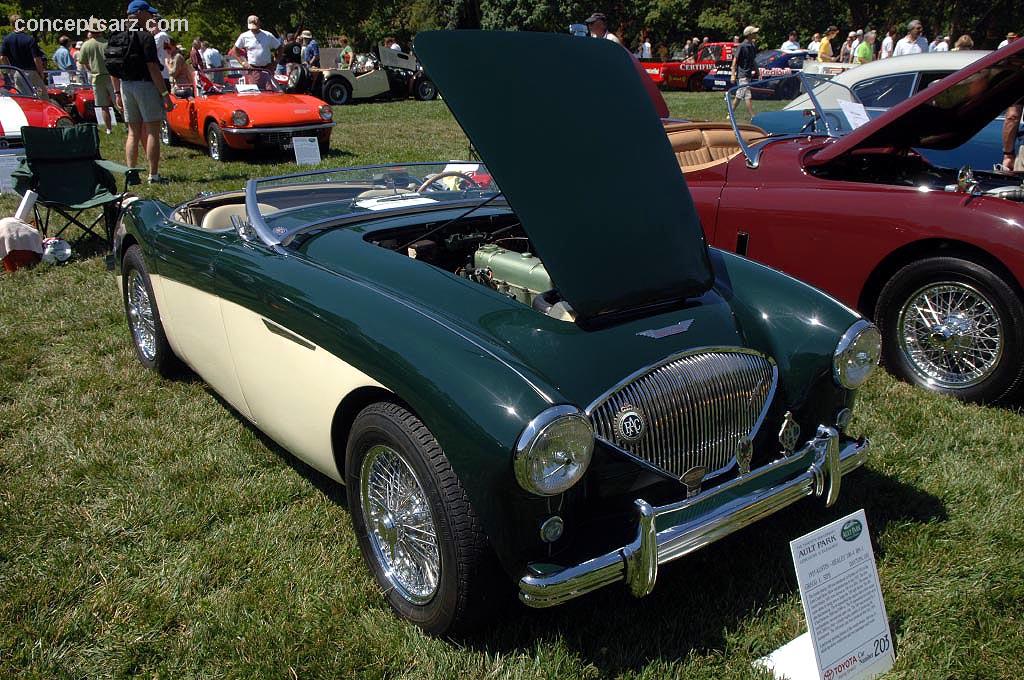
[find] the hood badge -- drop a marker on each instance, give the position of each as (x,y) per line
(692,480)
(789,433)
(674,329)
(629,424)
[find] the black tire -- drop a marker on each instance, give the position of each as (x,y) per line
(337,91)
(299,80)
(424,90)
(695,83)
(994,305)
(325,147)
(167,136)
(467,567)
(157,355)
(215,144)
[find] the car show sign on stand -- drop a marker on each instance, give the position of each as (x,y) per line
(848,630)
(307,150)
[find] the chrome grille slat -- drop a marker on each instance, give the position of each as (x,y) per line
(697,407)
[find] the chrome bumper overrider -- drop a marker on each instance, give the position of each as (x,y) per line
(637,563)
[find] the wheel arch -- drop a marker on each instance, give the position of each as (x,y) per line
(934,247)
(347,410)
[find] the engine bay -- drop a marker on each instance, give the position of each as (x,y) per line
(911,170)
(492,251)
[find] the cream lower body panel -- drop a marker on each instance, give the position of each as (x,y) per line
(292,388)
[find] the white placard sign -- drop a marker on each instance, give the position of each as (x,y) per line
(848,630)
(9,162)
(307,150)
(856,114)
(62,79)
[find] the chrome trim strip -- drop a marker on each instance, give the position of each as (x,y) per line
(263,130)
(287,335)
(637,563)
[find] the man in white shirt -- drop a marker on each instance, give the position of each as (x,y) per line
(888,44)
(791,45)
(160,37)
(255,47)
(913,42)
(598,25)
(942,45)
(211,56)
(815,43)
(858,38)
(1010,37)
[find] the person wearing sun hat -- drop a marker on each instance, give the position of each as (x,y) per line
(744,67)
(310,49)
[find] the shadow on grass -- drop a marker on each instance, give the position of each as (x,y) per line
(258,157)
(698,600)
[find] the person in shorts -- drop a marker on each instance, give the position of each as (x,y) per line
(141,94)
(744,67)
(90,57)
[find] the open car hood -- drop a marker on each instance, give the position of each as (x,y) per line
(581,155)
(944,115)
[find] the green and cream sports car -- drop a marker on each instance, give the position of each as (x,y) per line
(525,371)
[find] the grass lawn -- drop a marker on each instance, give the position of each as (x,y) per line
(145,529)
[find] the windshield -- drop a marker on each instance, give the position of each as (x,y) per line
(235,80)
(15,82)
(280,207)
(59,79)
(831,109)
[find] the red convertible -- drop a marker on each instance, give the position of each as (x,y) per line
(20,105)
(935,255)
(74,96)
(688,74)
(231,110)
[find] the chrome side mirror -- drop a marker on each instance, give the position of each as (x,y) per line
(966,182)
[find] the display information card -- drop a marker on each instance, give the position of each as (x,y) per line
(307,150)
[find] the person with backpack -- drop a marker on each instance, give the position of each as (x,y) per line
(139,88)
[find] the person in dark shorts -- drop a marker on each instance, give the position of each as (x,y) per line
(141,93)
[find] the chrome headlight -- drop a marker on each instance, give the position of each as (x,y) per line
(554,451)
(326,112)
(240,118)
(856,355)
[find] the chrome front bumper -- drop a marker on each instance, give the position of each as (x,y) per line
(637,563)
(312,127)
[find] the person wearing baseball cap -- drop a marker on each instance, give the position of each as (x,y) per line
(139,89)
(597,24)
(744,67)
(255,47)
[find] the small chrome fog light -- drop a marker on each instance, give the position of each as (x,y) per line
(551,529)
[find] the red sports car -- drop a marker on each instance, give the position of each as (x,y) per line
(935,255)
(75,96)
(20,105)
(230,110)
(688,74)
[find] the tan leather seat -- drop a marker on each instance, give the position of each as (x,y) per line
(219,218)
(702,145)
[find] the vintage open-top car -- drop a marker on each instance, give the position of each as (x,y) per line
(553,370)
(21,105)
(72,91)
(933,254)
(230,110)
(385,73)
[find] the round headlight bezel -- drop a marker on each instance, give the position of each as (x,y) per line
(239,118)
(862,338)
(326,112)
(528,454)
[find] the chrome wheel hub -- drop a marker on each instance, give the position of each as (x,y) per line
(399,524)
(951,334)
(214,144)
(140,316)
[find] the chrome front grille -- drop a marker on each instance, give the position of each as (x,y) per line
(696,409)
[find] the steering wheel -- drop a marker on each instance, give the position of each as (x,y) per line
(442,175)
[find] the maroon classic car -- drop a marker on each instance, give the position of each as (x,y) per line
(934,255)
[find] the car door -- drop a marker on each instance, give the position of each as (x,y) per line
(273,313)
(190,306)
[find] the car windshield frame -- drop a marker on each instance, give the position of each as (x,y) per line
(23,86)
(812,86)
(211,81)
(386,205)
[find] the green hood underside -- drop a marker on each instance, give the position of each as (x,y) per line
(572,139)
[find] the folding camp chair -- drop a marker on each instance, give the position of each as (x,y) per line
(64,167)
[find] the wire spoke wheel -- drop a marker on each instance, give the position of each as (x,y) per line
(140,315)
(951,334)
(400,524)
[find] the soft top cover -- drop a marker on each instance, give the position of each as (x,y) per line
(615,226)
